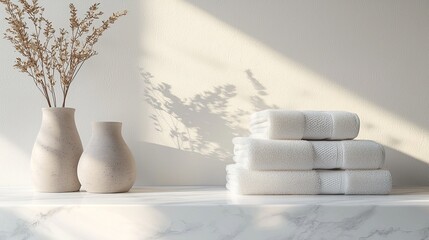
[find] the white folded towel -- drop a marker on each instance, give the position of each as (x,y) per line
(263,154)
(242,181)
(296,125)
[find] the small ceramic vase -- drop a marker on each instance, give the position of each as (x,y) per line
(107,164)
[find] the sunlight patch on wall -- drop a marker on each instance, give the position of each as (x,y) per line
(205,78)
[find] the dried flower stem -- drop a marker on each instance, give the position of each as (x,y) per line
(45,53)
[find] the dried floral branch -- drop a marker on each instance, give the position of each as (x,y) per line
(48,54)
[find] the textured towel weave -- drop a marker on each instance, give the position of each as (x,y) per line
(242,181)
(312,125)
(263,154)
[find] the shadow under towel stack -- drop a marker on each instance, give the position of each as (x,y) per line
(308,152)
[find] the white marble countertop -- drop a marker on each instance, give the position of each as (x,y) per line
(190,196)
(211,213)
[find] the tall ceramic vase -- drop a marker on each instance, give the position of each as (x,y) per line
(56,152)
(107,164)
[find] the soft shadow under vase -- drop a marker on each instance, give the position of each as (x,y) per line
(107,164)
(56,152)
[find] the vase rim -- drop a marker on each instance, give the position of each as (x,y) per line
(57,108)
(106,123)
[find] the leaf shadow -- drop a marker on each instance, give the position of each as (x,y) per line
(205,122)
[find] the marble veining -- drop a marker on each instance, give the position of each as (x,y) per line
(211,213)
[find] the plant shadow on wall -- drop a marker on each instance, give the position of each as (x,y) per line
(206,122)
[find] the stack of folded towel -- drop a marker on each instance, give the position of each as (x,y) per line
(288,153)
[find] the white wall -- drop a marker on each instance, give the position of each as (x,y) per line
(206,65)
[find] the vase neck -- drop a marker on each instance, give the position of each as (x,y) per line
(109,128)
(58,116)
